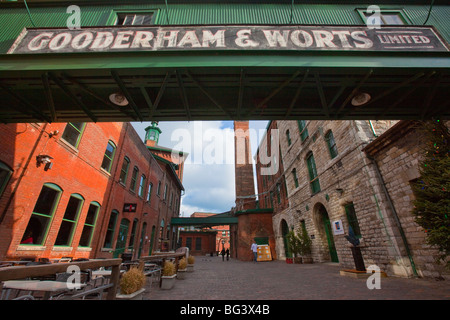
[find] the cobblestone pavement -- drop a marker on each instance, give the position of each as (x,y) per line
(214,279)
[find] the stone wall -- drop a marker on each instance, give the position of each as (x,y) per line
(347,178)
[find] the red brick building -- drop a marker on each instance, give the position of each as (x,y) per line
(82,190)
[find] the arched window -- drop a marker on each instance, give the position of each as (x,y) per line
(110,230)
(288,137)
(70,219)
(43,212)
(134,176)
(109,156)
(89,224)
(142,186)
(124,170)
(329,138)
(313,178)
(5,175)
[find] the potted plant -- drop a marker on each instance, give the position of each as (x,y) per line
(190,265)
(294,246)
(168,275)
(182,268)
(306,243)
(131,285)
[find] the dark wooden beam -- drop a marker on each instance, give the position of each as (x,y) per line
(72,96)
(297,94)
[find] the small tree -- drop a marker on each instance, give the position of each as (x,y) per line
(432,190)
(294,243)
(305,241)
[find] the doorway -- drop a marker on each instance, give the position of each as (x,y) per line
(326,225)
(122,238)
(284,233)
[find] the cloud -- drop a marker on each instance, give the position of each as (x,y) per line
(209,171)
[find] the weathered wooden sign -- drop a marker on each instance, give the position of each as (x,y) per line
(120,38)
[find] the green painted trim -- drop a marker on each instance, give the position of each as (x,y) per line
(262,210)
(131,60)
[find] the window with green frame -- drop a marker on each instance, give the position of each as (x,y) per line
(42,215)
(312,170)
(331,143)
(69,221)
(89,224)
(134,176)
(124,170)
(278,193)
(158,189)
(142,186)
(294,175)
(288,137)
(134,17)
(109,156)
(133,234)
(72,133)
(149,193)
(110,230)
(5,175)
(352,219)
(303,129)
(387,16)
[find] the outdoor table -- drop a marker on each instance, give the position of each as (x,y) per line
(47,287)
(103,273)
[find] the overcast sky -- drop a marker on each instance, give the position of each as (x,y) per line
(209,170)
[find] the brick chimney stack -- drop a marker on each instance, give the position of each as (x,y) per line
(243,171)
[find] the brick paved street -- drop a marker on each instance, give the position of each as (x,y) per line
(214,279)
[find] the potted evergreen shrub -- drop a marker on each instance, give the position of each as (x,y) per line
(168,275)
(294,246)
(131,285)
(182,269)
(190,265)
(306,244)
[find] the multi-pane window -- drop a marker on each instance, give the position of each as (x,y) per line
(133,234)
(109,156)
(288,137)
(142,186)
(149,193)
(352,219)
(386,17)
(72,133)
(134,176)
(303,129)
(134,19)
(89,225)
(198,243)
(124,170)
(165,192)
(189,242)
(329,138)
(294,175)
(110,230)
(313,178)
(69,222)
(42,214)
(5,175)
(158,189)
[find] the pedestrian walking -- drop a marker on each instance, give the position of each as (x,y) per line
(223,254)
(254,249)
(228,254)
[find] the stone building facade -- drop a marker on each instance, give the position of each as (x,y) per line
(354,173)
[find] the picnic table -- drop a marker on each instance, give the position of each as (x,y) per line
(49,288)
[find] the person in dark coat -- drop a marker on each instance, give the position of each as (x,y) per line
(223,254)
(228,254)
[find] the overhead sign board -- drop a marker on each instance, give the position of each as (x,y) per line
(170,38)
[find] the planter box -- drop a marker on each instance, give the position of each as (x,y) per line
(167,282)
(181,274)
(289,260)
(138,295)
(307,259)
(190,268)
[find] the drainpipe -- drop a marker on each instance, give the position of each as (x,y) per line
(396,218)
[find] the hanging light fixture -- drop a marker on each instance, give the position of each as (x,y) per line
(361,99)
(118,99)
